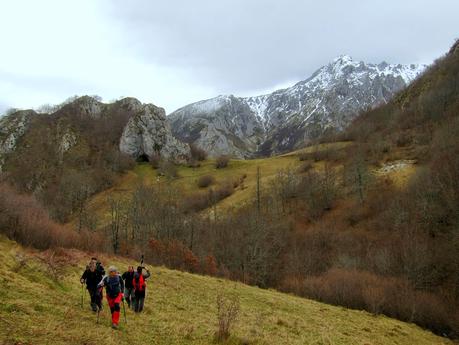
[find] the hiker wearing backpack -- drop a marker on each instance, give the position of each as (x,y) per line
(128,278)
(92,276)
(114,287)
(99,266)
(139,288)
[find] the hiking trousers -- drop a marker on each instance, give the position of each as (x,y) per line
(139,301)
(114,304)
(129,296)
(96,298)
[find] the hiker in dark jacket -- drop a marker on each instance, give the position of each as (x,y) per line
(139,288)
(114,288)
(92,276)
(99,266)
(128,277)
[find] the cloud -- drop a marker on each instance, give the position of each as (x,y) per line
(239,45)
(176,52)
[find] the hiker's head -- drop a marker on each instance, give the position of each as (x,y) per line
(112,271)
(92,266)
(139,269)
(131,268)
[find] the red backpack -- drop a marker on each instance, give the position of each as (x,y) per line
(139,283)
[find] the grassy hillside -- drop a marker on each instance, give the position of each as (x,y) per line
(180,309)
(187,178)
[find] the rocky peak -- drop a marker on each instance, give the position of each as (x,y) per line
(148,133)
(12,128)
(288,118)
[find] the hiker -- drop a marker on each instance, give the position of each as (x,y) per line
(139,288)
(114,287)
(99,266)
(128,277)
(92,276)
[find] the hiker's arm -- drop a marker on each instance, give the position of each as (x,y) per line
(123,276)
(122,286)
(146,275)
(102,282)
(83,277)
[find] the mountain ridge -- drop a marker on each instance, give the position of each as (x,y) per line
(287,118)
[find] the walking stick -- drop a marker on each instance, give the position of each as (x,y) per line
(82,296)
(124,312)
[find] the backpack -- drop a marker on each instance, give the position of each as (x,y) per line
(139,283)
(113,286)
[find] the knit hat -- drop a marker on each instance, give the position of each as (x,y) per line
(112,269)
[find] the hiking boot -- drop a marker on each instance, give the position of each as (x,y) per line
(114,326)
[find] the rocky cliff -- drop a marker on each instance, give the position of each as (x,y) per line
(289,118)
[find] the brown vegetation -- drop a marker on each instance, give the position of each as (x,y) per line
(222,162)
(205,181)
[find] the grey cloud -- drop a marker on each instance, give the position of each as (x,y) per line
(241,45)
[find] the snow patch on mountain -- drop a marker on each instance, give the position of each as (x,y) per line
(328,100)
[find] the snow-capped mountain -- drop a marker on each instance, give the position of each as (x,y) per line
(289,118)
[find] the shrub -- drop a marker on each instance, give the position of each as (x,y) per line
(193,163)
(227,313)
(154,160)
(224,191)
(24,220)
(392,296)
(168,169)
(222,162)
(305,167)
(210,265)
(205,181)
(202,200)
(174,254)
(197,153)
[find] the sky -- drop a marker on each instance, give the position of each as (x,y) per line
(172,53)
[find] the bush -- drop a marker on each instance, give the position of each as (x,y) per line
(205,181)
(202,200)
(227,314)
(197,153)
(391,296)
(155,160)
(24,220)
(222,162)
(168,169)
(305,167)
(193,163)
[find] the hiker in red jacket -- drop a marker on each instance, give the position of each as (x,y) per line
(114,286)
(139,288)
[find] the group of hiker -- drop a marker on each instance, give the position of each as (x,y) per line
(129,287)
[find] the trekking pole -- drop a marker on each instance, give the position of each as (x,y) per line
(141,261)
(124,312)
(82,296)
(98,313)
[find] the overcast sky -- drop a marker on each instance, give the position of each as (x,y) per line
(175,52)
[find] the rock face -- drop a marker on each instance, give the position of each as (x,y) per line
(12,128)
(289,118)
(132,127)
(222,125)
(148,133)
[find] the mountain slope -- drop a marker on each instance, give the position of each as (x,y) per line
(180,309)
(81,148)
(287,119)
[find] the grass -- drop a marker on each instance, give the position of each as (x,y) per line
(188,177)
(187,184)
(180,308)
